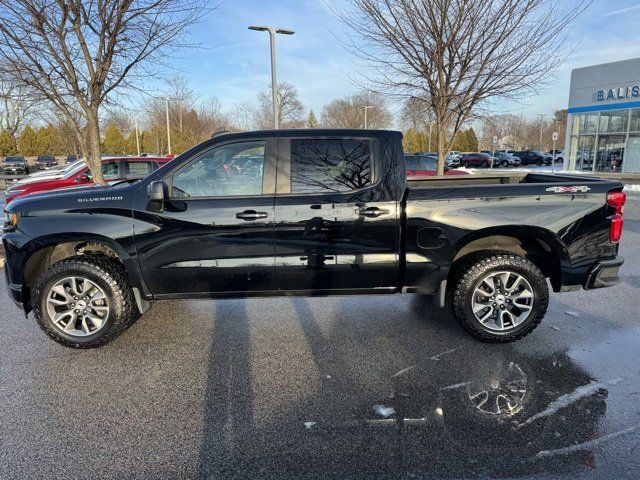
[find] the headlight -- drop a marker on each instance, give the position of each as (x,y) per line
(10,221)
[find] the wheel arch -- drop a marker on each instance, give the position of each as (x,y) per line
(51,250)
(540,246)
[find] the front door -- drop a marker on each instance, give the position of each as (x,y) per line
(336,220)
(215,234)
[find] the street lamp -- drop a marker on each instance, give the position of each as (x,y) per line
(541,120)
(274,88)
(430,128)
(366,107)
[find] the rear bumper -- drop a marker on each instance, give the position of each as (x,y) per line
(604,274)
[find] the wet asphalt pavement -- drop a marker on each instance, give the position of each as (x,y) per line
(389,387)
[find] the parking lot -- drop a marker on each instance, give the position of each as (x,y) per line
(339,387)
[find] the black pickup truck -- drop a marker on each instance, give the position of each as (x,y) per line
(309,212)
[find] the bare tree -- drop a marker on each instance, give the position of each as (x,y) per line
(78,54)
(16,102)
(241,116)
(416,114)
(457,55)
(348,112)
(291,108)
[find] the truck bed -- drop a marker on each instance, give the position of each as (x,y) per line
(499,178)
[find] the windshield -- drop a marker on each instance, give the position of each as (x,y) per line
(14,160)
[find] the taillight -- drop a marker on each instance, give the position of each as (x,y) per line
(617,200)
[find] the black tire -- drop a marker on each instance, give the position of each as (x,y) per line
(505,164)
(109,276)
(484,164)
(465,164)
(539,163)
(471,272)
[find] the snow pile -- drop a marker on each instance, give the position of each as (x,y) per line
(632,188)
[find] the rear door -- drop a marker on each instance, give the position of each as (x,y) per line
(336,216)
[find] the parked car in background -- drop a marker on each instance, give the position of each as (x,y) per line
(426,165)
(505,159)
(455,153)
(452,161)
(558,154)
(71,159)
(44,162)
(481,160)
(113,170)
(15,165)
(533,157)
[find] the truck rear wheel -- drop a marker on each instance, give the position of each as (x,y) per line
(83,302)
(499,297)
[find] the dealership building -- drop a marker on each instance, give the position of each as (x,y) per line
(603,128)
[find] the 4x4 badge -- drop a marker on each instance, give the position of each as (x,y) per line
(581,188)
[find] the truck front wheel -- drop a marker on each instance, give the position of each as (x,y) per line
(83,302)
(499,297)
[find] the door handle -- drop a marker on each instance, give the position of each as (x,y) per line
(250,215)
(372,212)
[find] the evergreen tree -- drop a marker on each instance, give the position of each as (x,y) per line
(114,141)
(7,144)
(472,140)
(312,121)
(132,144)
(28,141)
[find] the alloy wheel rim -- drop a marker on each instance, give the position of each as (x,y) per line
(502,300)
(77,306)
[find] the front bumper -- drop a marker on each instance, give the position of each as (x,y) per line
(604,274)
(14,291)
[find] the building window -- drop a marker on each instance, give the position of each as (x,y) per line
(614,121)
(632,154)
(634,123)
(589,123)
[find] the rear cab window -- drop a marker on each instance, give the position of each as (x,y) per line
(329,165)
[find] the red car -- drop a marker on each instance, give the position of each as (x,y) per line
(113,170)
(426,165)
(482,160)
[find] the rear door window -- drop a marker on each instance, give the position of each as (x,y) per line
(330,165)
(137,169)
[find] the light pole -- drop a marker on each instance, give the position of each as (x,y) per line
(274,86)
(541,119)
(366,107)
(137,137)
(166,104)
(430,127)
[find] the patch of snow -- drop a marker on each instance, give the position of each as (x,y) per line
(455,385)
(437,357)
(329,377)
(309,425)
(553,327)
(403,371)
(571,313)
(632,188)
(569,398)
(587,445)
(384,411)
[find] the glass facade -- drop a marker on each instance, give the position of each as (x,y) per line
(607,141)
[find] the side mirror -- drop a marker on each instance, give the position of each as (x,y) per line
(156,193)
(84,178)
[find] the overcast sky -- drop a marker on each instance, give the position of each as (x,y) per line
(234,63)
